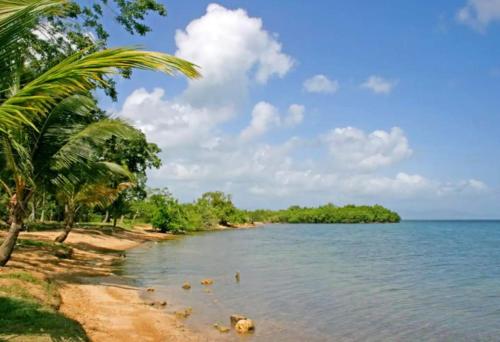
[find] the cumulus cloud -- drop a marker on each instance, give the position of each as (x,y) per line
(321,84)
(354,149)
(479,13)
(264,116)
(379,85)
(295,115)
(232,49)
(171,123)
(341,164)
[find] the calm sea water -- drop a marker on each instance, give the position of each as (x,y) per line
(412,281)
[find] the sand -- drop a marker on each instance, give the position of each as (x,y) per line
(107,308)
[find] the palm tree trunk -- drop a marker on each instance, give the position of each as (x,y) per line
(106,217)
(69,218)
(62,237)
(16,224)
(135,216)
(42,215)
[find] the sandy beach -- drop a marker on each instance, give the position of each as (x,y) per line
(107,308)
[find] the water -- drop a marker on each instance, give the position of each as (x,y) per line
(412,281)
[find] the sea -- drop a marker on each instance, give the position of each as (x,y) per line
(409,281)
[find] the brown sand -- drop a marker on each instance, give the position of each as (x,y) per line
(107,309)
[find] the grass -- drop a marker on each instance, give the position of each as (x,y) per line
(24,276)
(50,246)
(26,320)
(49,288)
(26,317)
(43,226)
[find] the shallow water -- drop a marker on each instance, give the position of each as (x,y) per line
(412,281)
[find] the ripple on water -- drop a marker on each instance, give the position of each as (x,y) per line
(424,281)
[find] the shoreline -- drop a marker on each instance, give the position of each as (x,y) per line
(105,306)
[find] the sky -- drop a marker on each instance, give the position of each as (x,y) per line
(387,102)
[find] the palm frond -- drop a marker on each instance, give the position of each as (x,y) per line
(80,147)
(80,73)
(99,194)
(10,8)
(17,19)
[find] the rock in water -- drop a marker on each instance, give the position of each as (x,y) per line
(221,328)
(184,313)
(207,282)
(160,303)
(186,286)
(236,318)
(244,326)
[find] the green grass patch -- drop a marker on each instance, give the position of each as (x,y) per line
(24,276)
(23,281)
(44,226)
(15,291)
(49,245)
(22,319)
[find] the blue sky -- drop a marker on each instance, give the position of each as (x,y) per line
(345,102)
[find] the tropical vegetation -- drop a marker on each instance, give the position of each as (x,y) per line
(54,140)
(216,209)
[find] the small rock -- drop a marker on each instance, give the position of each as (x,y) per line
(160,303)
(150,289)
(244,326)
(207,282)
(184,313)
(235,318)
(186,286)
(237,277)
(221,328)
(64,253)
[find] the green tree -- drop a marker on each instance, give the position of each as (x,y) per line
(168,214)
(25,106)
(221,205)
(137,155)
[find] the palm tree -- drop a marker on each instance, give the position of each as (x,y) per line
(28,149)
(96,193)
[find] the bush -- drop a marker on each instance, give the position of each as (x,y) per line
(169,216)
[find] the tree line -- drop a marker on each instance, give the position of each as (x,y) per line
(216,209)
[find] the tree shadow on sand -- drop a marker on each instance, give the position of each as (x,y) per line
(21,318)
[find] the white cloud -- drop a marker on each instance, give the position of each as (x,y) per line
(171,123)
(232,49)
(264,116)
(321,84)
(379,85)
(479,13)
(295,115)
(353,148)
